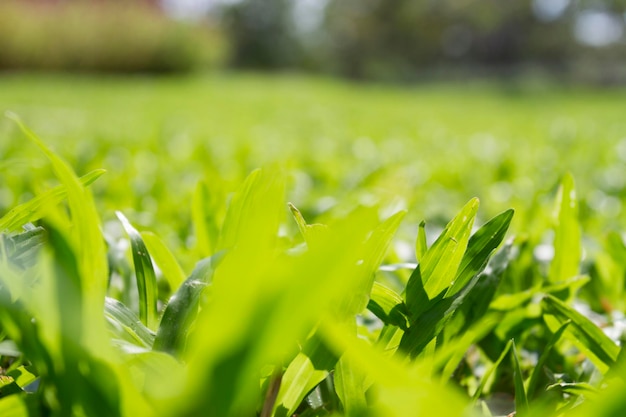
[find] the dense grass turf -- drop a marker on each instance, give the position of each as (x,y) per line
(220,302)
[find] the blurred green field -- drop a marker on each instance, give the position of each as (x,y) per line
(426,147)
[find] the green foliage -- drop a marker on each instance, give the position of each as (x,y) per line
(317,313)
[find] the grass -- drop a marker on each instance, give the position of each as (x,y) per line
(181,282)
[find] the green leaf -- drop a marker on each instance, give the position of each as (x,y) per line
(521,400)
(421,246)
(127,324)
(182,308)
(373,252)
(37,208)
(479,248)
(567,239)
(490,371)
(310,367)
(166,261)
(86,240)
(144,274)
(578,389)
(350,387)
(440,263)
(312,233)
(388,306)
(538,368)
(206,215)
(586,335)
(22,249)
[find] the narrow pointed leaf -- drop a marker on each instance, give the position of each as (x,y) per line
(124,320)
(182,308)
(36,208)
(308,369)
(166,261)
(567,238)
(521,400)
(144,274)
(586,334)
(440,263)
(490,371)
(388,306)
(538,368)
(479,248)
(421,245)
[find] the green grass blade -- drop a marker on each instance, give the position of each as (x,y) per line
(388,306)
(421,246)
(311,233)
(86,240)
(350,387)
(308,369)
(22,249)
(206,215)
(567,238)
(126,323)
(182,308)
(521,400)
(490,371)
(472,302)
(577,389)
(479,248)
(373,252)
(441,262)
(144,274)
(166,261)
(36,208)
(586,334)
(538,368)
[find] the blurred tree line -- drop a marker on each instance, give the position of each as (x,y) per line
(408,39)
(361,39)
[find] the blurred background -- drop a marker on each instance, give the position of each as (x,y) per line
(413,104)
(402,40)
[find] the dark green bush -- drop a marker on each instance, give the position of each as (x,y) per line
(103,36)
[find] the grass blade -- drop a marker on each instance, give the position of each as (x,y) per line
(421,246)
(308,369)
(440,263)
(350,387)
(127,323)
(144,274)
(567,239)
(388,306)
(490,371)
(586,334)
(479,248)
(166,261)
(86,241)
(36,208)
(182,308)
(521,400)
(538,368)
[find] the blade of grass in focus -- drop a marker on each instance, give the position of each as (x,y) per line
(144,274)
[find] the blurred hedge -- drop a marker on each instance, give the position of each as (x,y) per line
(103,36)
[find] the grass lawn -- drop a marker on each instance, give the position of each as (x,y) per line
(246,306)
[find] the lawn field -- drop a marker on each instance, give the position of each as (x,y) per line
(470,235)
